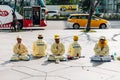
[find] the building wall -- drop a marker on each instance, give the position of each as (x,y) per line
(109,6)
(118,6)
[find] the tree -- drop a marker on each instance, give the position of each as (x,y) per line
(85,5)
(21,7)
(48,2)
(14,16)
(91,11)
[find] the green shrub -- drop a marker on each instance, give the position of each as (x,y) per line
(113,16)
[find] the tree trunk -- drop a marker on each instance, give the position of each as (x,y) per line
(21,7)
(91,11)
(14,16)
(89,20)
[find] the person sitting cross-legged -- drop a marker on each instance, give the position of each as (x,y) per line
(20,51)
(101,50)
(74,50)
(57,50)
(39,47)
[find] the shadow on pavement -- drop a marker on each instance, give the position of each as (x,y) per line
(95,64)
(23,30)
(47,62)
(7,62)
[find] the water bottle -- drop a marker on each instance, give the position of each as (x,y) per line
(115,55)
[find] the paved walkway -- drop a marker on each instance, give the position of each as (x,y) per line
(40,69)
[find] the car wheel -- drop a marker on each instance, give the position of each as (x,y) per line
(56,16)
(103,26)
(76,26)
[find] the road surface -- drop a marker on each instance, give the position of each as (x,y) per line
(61,25)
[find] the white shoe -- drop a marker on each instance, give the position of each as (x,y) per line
(57,61)
(14,58)
(24,57)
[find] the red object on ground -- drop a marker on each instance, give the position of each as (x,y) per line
(69,57)
(42,23)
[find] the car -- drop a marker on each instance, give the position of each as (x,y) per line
(77,21)
(53,13)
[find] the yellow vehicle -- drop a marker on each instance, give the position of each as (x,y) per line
(77,21)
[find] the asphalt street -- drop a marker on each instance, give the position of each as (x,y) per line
(115,24)
(62,25)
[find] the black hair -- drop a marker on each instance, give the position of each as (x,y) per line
(40,37)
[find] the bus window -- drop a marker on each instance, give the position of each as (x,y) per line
(27,13)
(43,14)
(36,15)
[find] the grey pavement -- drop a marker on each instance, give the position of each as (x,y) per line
(40,69)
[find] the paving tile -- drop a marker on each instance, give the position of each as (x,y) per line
(111,66)
(114,78)
(48,67)
(12,75)
(39,64)
(77,73)
(34,78)
(102,71)
(45,78)
(3,68)
(29,71)
(56,78)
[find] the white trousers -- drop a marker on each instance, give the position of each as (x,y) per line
(53,58)
(17,57)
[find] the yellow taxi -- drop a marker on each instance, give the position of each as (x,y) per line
(77,21)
